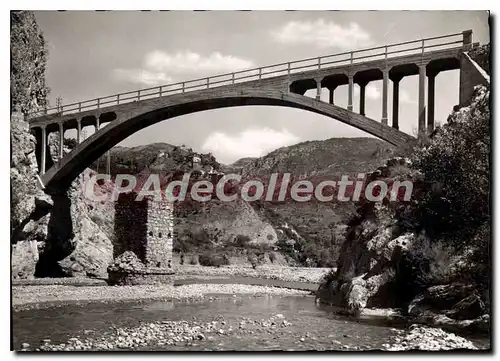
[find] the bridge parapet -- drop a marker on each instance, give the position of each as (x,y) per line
(345,59)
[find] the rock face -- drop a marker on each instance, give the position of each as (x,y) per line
(29,204)
(389,261)
(50,235)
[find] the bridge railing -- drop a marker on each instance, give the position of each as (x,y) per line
(292,67)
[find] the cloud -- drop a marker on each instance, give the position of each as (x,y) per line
(188,61)
(371,92)
(141,76)
(160,67)
(248,143)
(323,34)
(404,97)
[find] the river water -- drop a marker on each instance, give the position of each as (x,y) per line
(313,327)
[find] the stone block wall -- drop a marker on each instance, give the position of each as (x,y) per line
(160,226)
(144,228)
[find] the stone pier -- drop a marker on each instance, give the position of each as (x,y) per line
(143,241)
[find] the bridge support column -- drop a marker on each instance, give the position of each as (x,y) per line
(318,89)
(431,82)
(43,157)
(351,89)
(395,102)
(79,131)
(421,98)
(362,97)
(61,140)
(331,95)
(97,125)
(385,89)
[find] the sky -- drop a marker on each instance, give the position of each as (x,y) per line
(94,54)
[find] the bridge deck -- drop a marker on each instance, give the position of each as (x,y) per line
(332,70)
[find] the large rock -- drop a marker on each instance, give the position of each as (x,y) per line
(25,195)
(51,235)
(24,255)
(80,247)
(29,204)
(445,296)
(467,309)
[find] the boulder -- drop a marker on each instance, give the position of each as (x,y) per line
(24,255)
(127,262)
(468,308)
(446,296)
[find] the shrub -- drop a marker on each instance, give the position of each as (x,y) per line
(272,257)
(256,258)
(213,260)
(70,143)
(456,170)
(193,261)
(241,241)
(432,261)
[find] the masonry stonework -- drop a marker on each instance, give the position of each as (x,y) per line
(145,228)
(160,228)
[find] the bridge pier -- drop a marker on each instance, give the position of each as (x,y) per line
(431,83)
(351,89)
(395,102)
(61,140)
(78,130)
(362,91)
(97,125)
(331,95)
(318,88)
(421,98)
(384,95)
(43,157)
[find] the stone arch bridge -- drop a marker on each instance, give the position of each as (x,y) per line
(277,85)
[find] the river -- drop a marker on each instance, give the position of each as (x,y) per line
(312,326)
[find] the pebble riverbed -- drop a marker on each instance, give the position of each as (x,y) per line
(27,297)
(251,321)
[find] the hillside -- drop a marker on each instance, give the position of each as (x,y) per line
(154,157)
(332,157)
(308,233)
(238,166)
(320,225)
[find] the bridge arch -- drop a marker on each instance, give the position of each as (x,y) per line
(132,117)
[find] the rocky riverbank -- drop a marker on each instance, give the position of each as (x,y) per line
(165,333)
(29,297)
(280,273)
(193,334)
(428,339)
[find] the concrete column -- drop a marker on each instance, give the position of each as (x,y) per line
(44,149)
(351,89)
(61,140)
(431,81)
(331,98)
(467,38)
(318,89)
(362,91)
(79,131)
(97,125)
(395,103)
(385,90)
(421,98)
